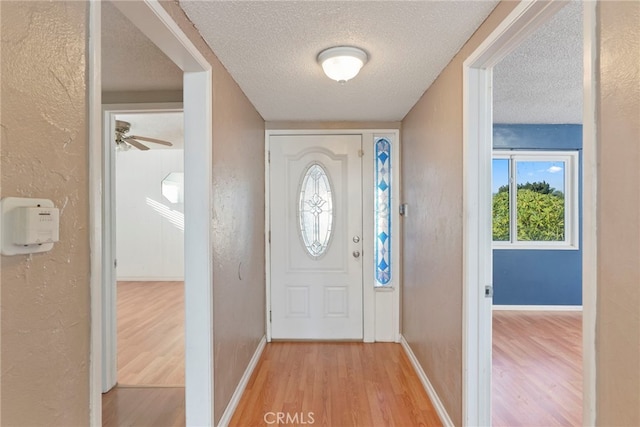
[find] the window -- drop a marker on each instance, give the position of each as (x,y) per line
(315,210)
(535,199)
(383,211)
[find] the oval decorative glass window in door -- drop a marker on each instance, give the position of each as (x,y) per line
(315,210)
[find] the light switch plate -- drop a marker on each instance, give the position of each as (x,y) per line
(7,221)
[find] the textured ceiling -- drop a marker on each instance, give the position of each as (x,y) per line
(541,81)
(270,49)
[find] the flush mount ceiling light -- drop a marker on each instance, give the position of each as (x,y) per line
(342,63)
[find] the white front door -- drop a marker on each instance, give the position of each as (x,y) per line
(316,236)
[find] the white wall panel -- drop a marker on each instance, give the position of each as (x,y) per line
(150,229)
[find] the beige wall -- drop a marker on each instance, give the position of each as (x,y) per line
(432,262)
(141,97)
(238,235)
(45,310)
(432,176)
(618,141)
(332,125)
(238,225)
(45,297)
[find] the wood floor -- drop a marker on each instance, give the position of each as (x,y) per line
(150,390)
(537,368)
(151,333)
(335,384)
(537,373)
(143,407)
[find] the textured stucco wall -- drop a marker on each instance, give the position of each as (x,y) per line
(618,222)
(432,177)
(238,225)
(238,235)
(45,297)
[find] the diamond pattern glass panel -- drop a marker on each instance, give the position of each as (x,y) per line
(315,210)
(383,211)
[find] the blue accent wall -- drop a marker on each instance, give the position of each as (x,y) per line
(539,277)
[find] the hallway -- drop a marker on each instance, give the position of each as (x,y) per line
(335,384)
(54,142)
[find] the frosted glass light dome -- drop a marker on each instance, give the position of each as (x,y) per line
(342,63)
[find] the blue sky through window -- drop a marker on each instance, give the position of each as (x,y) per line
(529,171)
(500,174)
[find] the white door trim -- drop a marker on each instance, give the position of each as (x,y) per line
(381,307)
(95,211)
(477,264)
(589,224)
(153,20)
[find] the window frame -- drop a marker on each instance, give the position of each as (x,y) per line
(571,197)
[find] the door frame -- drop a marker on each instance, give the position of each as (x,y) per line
(525,18)
(155,22)
(381,307)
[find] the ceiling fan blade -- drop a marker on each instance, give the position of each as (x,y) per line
(147,139)
(130,140)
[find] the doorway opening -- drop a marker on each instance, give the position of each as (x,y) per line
(536,232)
(478,264)
(149,241)
(155,23)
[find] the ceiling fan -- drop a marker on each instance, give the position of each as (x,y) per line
(124,142)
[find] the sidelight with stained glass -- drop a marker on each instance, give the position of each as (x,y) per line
(383,211)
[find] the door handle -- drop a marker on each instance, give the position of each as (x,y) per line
(356,254)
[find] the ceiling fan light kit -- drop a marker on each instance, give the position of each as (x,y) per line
(124,142)
(342,63)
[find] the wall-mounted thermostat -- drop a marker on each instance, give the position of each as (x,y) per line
(28,225)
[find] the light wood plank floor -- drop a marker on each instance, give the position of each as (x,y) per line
(537,373)
(150,389)
(151,333)
(335,384)
(537,368)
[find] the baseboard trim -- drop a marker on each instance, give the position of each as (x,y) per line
(235,398)
(431,392)
(537,308)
